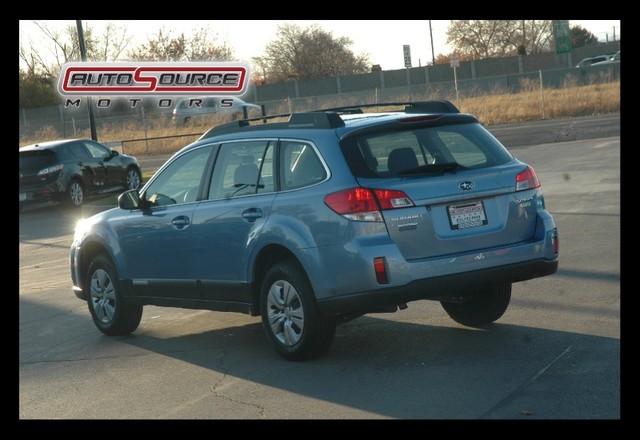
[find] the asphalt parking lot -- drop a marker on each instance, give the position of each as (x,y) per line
(554,354)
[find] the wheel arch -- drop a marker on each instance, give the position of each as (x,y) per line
(90,248)
(266,257)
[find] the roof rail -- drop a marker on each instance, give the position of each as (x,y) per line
(296,120)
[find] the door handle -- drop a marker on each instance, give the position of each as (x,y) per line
(180,222)
(252,214)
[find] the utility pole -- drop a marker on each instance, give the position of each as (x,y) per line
(614,33)
(83,54)
(433,56)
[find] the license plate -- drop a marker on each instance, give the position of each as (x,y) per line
(23,197)
(468,215)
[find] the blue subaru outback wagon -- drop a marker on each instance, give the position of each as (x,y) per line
(319,220)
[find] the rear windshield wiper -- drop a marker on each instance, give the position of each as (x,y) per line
(432,168)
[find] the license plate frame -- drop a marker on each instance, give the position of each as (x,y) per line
(474,209)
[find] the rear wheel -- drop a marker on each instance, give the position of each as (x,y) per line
(290,317)
(484,306)
(111,312)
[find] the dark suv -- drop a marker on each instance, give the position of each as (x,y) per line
(68,170)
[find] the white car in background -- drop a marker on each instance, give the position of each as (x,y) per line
(183,112)
(613,59)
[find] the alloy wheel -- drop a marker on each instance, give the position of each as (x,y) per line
(76,193)
(103,296)
(285,312)
(133,179)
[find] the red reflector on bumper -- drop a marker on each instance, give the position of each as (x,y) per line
(380,267)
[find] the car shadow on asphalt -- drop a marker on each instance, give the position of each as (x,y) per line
(392,368)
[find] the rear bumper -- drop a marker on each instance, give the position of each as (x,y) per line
(45,192)
(436,288)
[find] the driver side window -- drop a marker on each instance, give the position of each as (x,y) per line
(180,181)
(97,151)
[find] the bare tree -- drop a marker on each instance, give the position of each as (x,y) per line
(64,47)
(307,54)
(201,46)
(495,38)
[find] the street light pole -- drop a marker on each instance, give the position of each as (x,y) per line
(433,56)
(83,54)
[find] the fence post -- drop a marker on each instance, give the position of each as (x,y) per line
(144,122)
(24,118)
(64,131)
(295,86)
(263,113)
(520,64)
(338,85)
(473,69)
(541,94)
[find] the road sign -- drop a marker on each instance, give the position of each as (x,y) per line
(455,62)
(407,55)
(562,36)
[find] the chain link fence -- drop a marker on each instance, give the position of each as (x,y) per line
(148,129)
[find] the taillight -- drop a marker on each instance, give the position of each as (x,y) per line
(390,199)
(527,180)
(364,204)
(380,267)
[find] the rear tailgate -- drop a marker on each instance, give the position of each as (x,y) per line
(495,214)
(472,206)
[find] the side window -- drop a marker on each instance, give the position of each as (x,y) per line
(79,151)
(96,151)
(64,153)
(243,168)
(299,166)
(180,181)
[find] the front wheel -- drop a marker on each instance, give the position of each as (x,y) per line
(111,312)
(133,178)
(75,194)
(483,306)
(290,317)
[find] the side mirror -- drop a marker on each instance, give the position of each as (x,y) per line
(114,153)
(129,200)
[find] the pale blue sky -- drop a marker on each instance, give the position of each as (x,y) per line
(382,40)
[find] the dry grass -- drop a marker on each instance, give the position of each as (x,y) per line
(525,106)
(496,108)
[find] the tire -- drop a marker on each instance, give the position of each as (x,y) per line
(483,307)
(75,193)
(124,317)
(133,175)
(316,331)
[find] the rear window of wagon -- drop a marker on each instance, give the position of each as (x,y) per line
(387,153)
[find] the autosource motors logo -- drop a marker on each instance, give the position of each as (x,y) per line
(153,79)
